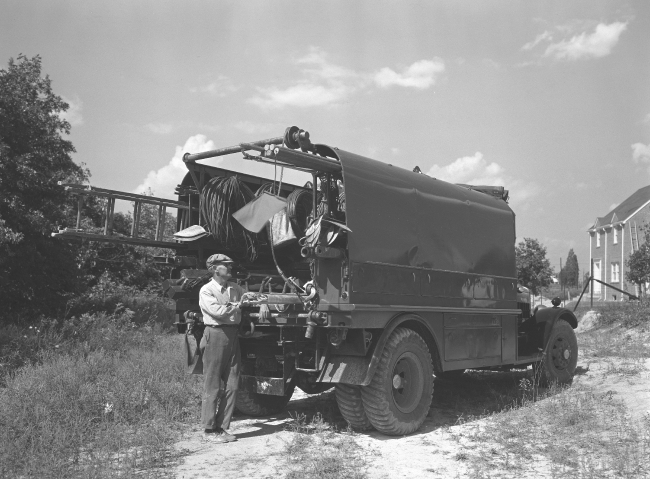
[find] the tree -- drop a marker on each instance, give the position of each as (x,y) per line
(533,268)
(35,270)
(124,264)
(638,263)
(569,275)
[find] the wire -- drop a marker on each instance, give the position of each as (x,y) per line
(299,206)
(221,197)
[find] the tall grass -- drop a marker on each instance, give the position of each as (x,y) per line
(576,432)
(98,396)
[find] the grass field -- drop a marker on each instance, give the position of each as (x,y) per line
(96,396)
(105,395)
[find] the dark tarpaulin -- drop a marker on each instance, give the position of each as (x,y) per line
(404,218)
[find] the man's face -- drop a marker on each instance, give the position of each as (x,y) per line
(223,270)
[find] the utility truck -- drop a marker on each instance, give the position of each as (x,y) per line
(373,280)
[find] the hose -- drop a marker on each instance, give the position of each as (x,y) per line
(299,207)
(221,197)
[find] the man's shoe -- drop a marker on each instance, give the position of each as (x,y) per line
(225,434)
(215,437)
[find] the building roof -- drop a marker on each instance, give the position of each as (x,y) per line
(625,210)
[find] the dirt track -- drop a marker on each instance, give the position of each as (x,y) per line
(430,452)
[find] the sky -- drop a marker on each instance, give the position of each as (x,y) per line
(549,99)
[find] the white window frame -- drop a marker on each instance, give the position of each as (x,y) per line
(615,235)
(616,271)
(597,239)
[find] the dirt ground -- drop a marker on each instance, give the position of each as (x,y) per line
(430,452)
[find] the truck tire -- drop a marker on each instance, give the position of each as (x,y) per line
(255,404)
(311,388)
(348,397)
(561,355)
(399,396)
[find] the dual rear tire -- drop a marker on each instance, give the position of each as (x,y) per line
(397,400)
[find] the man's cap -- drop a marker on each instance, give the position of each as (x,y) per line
(217,259)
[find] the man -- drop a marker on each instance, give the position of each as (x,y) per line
(220,302)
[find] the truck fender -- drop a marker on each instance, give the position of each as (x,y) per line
(360,370)
(546,319)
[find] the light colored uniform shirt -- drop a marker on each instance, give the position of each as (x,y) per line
(214,299)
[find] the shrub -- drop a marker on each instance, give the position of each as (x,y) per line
(99,405)
(628,314)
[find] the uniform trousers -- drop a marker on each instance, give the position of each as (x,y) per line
(221,365)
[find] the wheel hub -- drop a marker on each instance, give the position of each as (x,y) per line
(407,382)
(561,353)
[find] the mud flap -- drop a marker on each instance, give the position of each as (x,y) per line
(347,370)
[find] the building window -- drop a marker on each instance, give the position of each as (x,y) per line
(615,273)
(615,235)
(597,239)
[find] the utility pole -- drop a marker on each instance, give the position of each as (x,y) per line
(561,282)
(591,283)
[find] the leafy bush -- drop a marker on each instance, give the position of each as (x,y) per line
(104,317)
(628,314)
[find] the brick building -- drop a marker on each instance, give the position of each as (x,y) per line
(611,240)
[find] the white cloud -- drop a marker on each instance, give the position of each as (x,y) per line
(159,128)
(470,170)
(395,151)
(73,114)
(221,87)
(304,95)
(163,181)
(538,39)
(612,206)
(420,75)
(646,119)
(588,45)
(476,170)
(323,83)
(641,154)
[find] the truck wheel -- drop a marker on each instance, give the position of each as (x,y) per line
(561,357)
(255,404)
(348,397)
(307,387)
(398,398)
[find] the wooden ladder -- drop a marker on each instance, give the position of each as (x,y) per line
(184,212)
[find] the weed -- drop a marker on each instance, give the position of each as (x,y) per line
(101,404)
(461,456)
(318,450)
